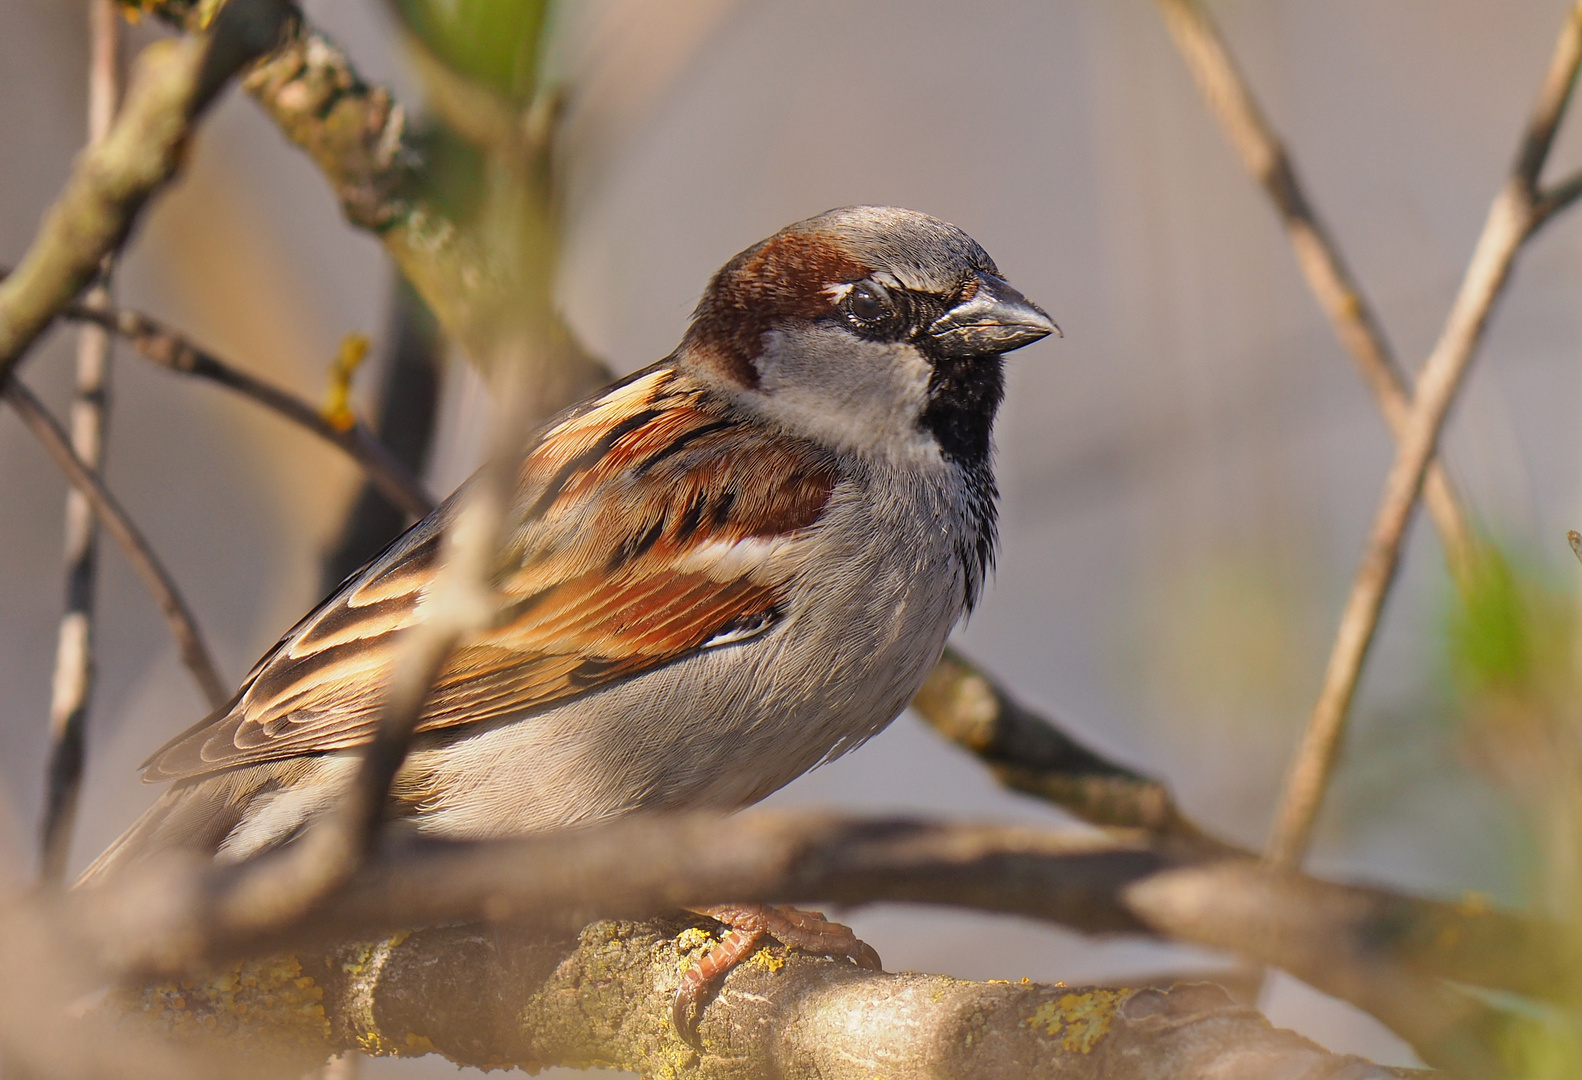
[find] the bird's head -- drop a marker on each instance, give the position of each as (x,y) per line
(876,328)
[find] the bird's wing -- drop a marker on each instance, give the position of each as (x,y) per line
(648,527)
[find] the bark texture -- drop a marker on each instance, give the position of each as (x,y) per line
(496,997)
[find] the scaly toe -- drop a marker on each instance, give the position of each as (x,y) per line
(711,966)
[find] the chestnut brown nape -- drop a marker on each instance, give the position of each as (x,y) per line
(782,277)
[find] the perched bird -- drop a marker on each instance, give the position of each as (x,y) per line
(725,569)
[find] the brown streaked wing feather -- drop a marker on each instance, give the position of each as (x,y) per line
(632,505)
(574,655)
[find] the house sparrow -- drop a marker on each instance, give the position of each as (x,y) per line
(725,569)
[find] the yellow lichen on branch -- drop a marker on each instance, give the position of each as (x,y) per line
(269,1004)
(494,997)
(1079,1020)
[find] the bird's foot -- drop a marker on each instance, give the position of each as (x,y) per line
(808,931)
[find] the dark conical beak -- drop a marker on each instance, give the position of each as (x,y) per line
(994,319)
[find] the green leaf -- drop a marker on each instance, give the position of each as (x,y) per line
(1511,630)
(493,42)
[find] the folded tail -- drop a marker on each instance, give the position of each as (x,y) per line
(229,815)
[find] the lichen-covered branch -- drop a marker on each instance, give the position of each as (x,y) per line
(1028,753)
(112,179)
(495,997)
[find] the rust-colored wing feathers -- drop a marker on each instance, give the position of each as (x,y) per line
(647,523)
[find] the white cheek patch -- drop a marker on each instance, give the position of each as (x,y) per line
(858,395)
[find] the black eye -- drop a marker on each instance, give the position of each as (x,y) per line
(870,307)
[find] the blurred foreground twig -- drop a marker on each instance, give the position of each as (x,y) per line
(175,917)
(461,601)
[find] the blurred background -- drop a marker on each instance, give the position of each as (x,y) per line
(1187,476)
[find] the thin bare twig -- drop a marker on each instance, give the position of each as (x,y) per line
(72,685)
(1553,97)
(283,886)
(1230,98)
(165,347)
(1511,220)
(1556,198)
(183,627)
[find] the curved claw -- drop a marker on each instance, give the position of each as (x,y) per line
(864,955)
(700,976)
(687,995)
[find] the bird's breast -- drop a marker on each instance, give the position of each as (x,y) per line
(872,591)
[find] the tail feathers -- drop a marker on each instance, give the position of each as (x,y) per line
(230,815)
(195,816)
